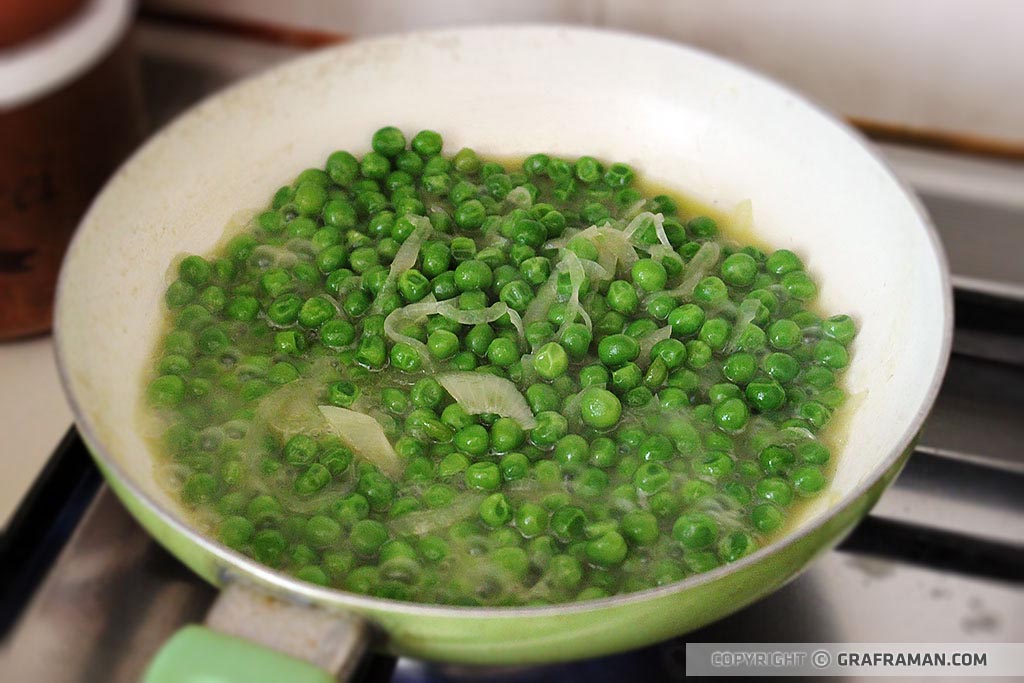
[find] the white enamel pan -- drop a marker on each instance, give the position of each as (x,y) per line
(681,117)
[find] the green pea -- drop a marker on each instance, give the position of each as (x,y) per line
(775,490)
(695,530)
(531,520)
(799,285)
(651,477)
(483,476)
(588,169)
(337,333)
(572,450)
(575,339)
(388,141)
(235,531)
(269,546)
(195,270)
(783,261)
(607,550)
(342,394)
(739,270)
(731,414)
(649,275)
(300,450)
(781,367)
(686,319)
(736,545)
(322,531)
(808,480)
(813,453)
(617,349)
(831,353)
(199,489)
(514,466)
(564,572)
(506,435)
(619,175)
(766,518)
(551,361)
(502,352)
(599,408)
(551,427)
(568,523)
(495,510)
(242,308)
(367,536)
(405,357)
(660,306)
(715,333)
(473,440)
(710,290)
(841,328)
(166,391)
(776,459)
(784,334)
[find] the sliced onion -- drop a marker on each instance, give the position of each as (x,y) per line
(484,315)
(571,408)
(634,209)
(614,248)
(530,375)
(365,437)
(747,312)
(702,262)
(648,341)
(268,256)
(423,522)
(573,308)
(561,242)
(742,218)
(595,271)
(660,251)
(400,317)
(291,409)
(479,392)
(546,295)
(405,258)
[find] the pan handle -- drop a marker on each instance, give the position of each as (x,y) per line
(251,636)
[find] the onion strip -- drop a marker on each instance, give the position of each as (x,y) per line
(747,312)
(365,437)
(404,259)
(479,392)
(702,262)
(648,341)
(400,317)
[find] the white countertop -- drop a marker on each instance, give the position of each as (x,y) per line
(33,416)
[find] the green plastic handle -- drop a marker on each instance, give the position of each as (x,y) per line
(199,655)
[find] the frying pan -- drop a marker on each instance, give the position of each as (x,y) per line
(680,116)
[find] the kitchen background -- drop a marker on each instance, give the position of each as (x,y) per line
(937,84)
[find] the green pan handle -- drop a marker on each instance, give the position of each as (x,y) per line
(197,654)
(251,636)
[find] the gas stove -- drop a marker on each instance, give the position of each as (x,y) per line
(87,596)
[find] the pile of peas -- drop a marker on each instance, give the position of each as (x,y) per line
(648,462)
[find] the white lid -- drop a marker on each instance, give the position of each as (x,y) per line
(36,68)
